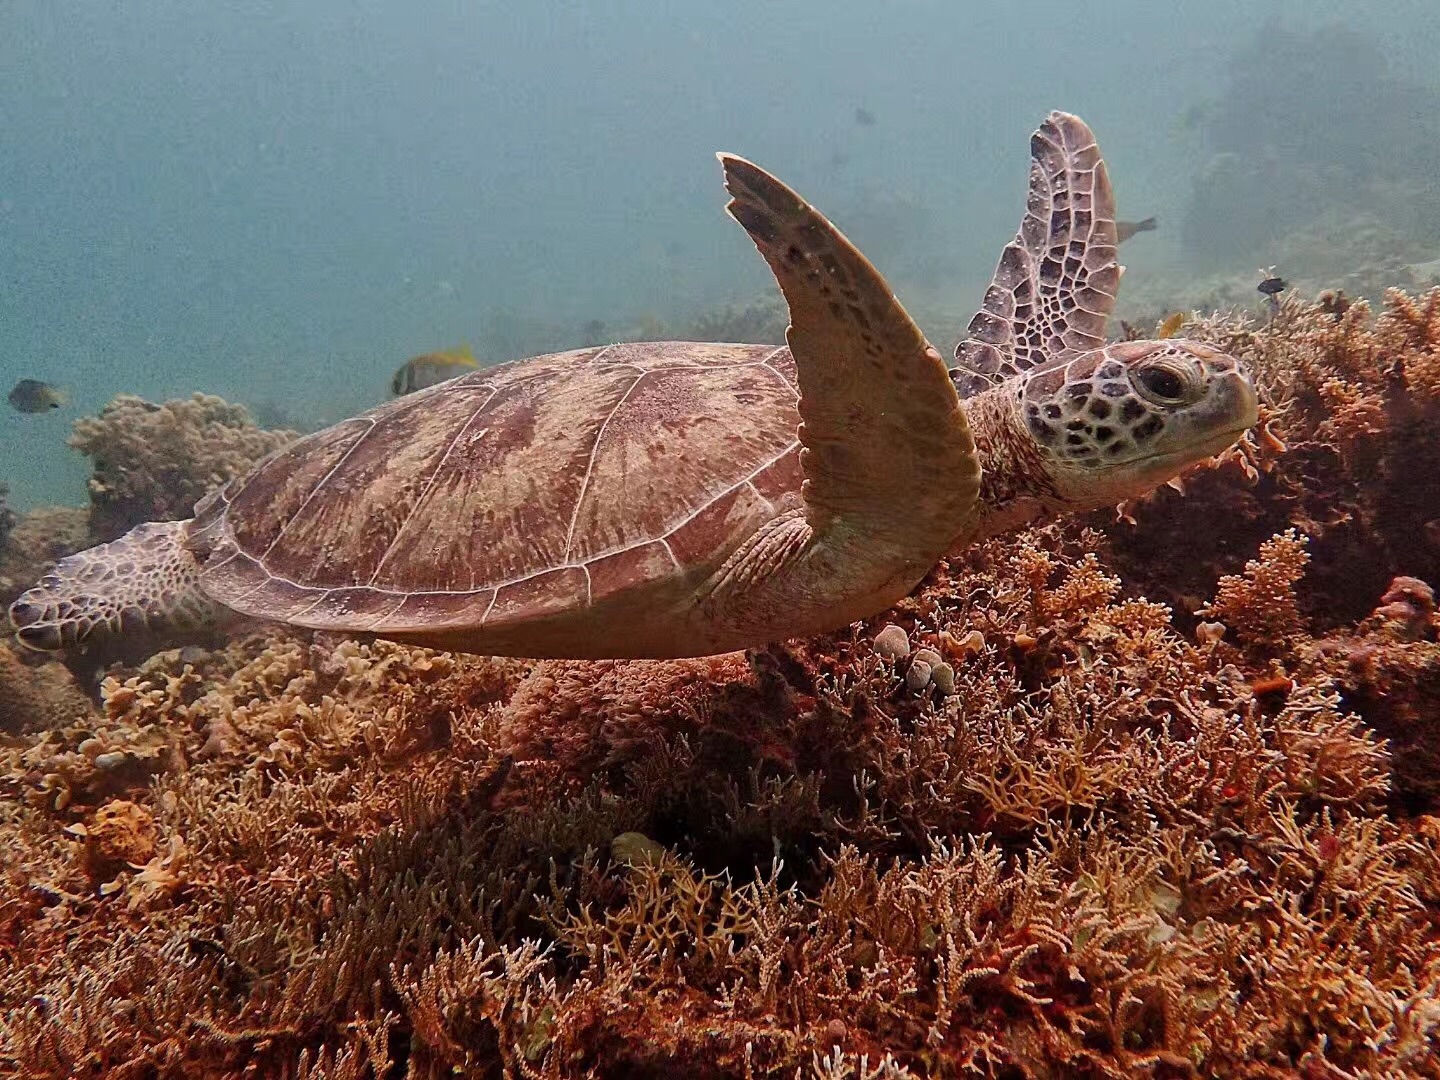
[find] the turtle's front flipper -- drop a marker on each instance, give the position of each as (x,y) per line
(888,456)
(146,580)
(1056,282)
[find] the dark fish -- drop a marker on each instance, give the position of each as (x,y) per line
(864,117)
(422,371)
(1272,285)
(1124,230)
(32,396)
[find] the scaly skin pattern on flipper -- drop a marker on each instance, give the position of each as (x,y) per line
(885,439)
(1056,282)
(147,578)
(891,472)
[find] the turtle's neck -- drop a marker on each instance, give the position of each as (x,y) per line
(1015,484)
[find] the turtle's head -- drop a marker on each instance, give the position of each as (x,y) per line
(1113,423)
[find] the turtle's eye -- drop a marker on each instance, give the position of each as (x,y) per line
(1161,384)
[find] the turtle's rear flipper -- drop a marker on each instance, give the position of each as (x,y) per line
(147,580)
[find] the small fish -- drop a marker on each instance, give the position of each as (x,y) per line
(422,371)
(1171,326)
(32,396)
(864,117)
(1124,230)
(1272,287)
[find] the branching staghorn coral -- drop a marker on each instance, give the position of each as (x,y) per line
(1353,397)
(1260,605)
(1105,853)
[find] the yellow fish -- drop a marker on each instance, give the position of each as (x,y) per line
(1171,326)
(32,396)
(422,371)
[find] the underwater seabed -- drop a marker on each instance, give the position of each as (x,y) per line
(1154,793)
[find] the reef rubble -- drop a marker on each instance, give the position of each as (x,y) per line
(1133,795)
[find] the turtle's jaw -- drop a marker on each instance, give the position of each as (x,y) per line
(1136,477)
(1229,409)
(1191,435)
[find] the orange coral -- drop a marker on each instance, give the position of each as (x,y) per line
(36,695)
(1260,605)
(1091,840)
(1100,855)
(1354,398)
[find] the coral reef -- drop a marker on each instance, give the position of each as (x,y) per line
(8,517)
(762,320)
(1388,671)
(38,538)
(1354,399)
(1107,798)
(151,462)
(37,694)
(154,462)
(1355,402)
(1109,852)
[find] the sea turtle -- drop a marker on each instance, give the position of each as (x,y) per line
(678,499)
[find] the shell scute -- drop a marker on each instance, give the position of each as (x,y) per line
(738,511)
(384,492)
(630,568)
(276,492)
(548,593)
(437,611)
(284,598)
(780,481)
(361,607)
(513,492)
(658,456)
(498,508)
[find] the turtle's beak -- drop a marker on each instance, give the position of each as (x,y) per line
(1230,409)
(1237,406)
